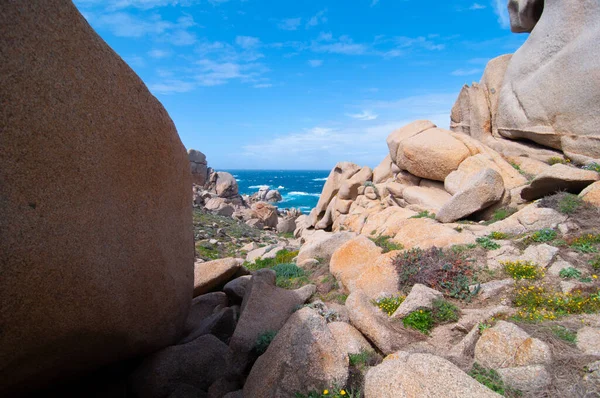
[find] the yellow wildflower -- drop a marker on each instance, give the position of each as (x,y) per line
(342,392)
(326,392)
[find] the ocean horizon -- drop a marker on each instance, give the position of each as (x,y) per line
(299,189)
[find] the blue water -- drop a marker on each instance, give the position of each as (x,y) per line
(299,188)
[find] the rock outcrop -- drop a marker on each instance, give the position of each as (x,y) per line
(96,245)
(199,167)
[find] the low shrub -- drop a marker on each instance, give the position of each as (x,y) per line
(593,167)
(383,241)
(558,160)
(498,235)
(263,342)
(541,236)
(492,380)
(538,304)
(585,243)
(282,257)
(564,334)
(363,359)
(444,312)
(425,214)
(501,214)
(562,202)
(331,393)
(389,305)
(569,273)
(421,320)
(289,275)
(445,271)
(459,249)
(523,270)
(595,263)
(424,320)
(487,243)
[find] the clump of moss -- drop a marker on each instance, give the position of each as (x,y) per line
(384,242)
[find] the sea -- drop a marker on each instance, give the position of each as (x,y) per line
(299,188)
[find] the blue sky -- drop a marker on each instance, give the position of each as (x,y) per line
(282,84)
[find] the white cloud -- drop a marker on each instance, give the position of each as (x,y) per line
(135,61)
(159,53)
(343,45)
(501,11)
(290,24)
(466,72)
(364,115)
(263,85)
(327,143)
(374,3)
(318,18)
(172,87)
(214,73)
(477,6)
(247,42)
(315,63)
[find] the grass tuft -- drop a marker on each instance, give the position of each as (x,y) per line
(387,246)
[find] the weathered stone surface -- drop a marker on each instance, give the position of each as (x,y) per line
(349,340)
(340,173)
(304,356)
(212,274)
(386,222)
(389,336)
(546,97)
(507,346)
(265,308)
(410,130)
(526,378)
(559,177)
(592,194)
(484,189)
(219,206)
(530,218)
(286,225)
(432,154)
(323,246)
(524,14)
(421,375)
(198,364)
(203,307)
(223,184)
(432,198)
(259,253)
(473,165)
(494,288)
(236,289)
(358,264)
(383,172)
(420,297)
(220,324)
(588,340)
(95,204)
(266,213)
(425,233)
(198,166)
(542,255)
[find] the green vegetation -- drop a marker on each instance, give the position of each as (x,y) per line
(290,276)
(564,334)
(593,167)
(492,380)
(263,342)
(487,243)
(541,236)
(424,320)
(523,270)
(483,326)
(501,214)
(570,273)
(595,263)
(537,304)
(282,257)
(498,235)
(445,271)
(389,305)
(363,359)
(383,241)
(331,393)
(459,249)
(420,320)
(425,214)
(558,160)
(563,202)
(585,243)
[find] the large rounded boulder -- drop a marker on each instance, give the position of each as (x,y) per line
(96,244)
